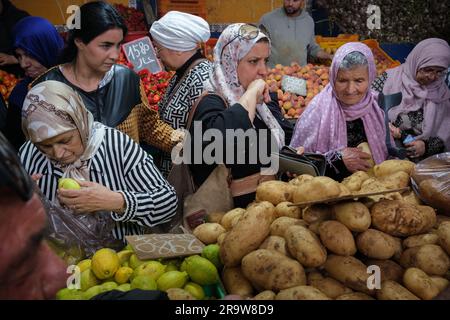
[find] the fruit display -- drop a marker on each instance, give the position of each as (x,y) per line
(7,83)
(385,247)
(134,19)
(194,277)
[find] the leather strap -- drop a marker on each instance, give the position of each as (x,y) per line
(248,184)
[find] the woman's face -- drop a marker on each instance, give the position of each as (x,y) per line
(65,148)
(254,65)
(103,51)
(351,85)
(31,66)
(168,57)
(428,75)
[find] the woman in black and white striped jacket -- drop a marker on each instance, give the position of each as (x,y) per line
(115,174)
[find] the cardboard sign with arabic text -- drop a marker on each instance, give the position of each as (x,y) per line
(142,55)
(166,245)
(294,85)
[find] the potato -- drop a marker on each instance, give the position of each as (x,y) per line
(337,238)
(355,296)
(330,287)
(265,295)
(274,191)
(440,283)
(436,193)
(344,190)
(412,198)
(248,234)
(398,249)
(300,179)
(354,182)
(313,276)
(280,225)
(283,210)
(318,188)
(229,216)
(179,294)
(317,213)
(236,283)
(376,244)
(208,232)
(391,290)
(271,270)
(215,217)
(389,269)
(399,218)
(420,240)
(349,271)
(305,246)
(396,180)
(314,227)
(366,148)
(430,258)
(443,233)
(439,219)
(389,167)
(420,284)
(354,215)
(235,220)
(275,243)
(221,237)
(301,293)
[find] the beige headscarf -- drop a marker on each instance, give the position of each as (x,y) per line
(52,108)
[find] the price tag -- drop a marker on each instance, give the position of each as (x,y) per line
(294,85)
(167,245)
(142,55)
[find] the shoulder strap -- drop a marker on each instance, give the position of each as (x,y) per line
(197,102)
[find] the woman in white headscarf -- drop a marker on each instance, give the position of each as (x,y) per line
(237,99)
(114,173)
(177,37)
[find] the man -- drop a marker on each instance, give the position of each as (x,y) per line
(291,30)
(28,268)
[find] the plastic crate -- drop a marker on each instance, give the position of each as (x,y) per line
(382,59)
(331,44)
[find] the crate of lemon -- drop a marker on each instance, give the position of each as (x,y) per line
(194,277)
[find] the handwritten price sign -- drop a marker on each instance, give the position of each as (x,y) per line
(142,55)
(153,246)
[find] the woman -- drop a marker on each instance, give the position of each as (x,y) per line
(37,46)
(111,92)
(234,100)
(176,37)
(115,174)
(424,113)
(344,114)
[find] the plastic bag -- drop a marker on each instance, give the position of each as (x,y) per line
(77,236)
(431,182)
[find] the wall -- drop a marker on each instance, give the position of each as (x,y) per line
(230,11)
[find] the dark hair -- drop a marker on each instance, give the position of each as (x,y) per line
(97,17)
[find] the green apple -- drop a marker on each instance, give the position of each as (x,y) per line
(68,183)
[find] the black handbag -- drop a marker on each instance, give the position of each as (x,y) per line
(313,164)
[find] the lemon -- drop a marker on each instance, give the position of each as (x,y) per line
(195,289)
(128,247)
(124,256)
(172,279)
(88,279)
(201,270)
(69,294)
(144,283)
(84,264)
(134,261)
(212,253)
(123,274)
(171,267)
(105,263)
(92,292)
(124,287)
(108,286)
(68,183)
(153,269)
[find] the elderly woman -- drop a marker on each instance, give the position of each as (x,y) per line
(237,102)
(424,113)
(115,174)
(177,36)
(345,114)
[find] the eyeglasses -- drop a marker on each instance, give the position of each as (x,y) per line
(431,72)
(245,32)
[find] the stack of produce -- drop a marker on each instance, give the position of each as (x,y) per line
(7,83)
(190,278)
(271,250)
(134,19)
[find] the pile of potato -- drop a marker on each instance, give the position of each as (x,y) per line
(273,251)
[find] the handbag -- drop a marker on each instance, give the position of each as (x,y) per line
(313,164)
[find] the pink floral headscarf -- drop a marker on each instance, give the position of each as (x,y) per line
(434,98)
(322,126)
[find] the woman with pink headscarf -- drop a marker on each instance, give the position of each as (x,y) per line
(424,113)
(345,114)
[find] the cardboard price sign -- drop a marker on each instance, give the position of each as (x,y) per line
(142,55)
(294,85)
(167,245)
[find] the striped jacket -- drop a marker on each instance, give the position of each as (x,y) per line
(122,166)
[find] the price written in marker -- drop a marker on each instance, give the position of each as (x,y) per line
(142,55)
(153,246)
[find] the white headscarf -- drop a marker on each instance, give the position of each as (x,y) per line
(180,31)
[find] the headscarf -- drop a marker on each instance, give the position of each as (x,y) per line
(40,40)
(322,126)
(433,98)
(52,108)
(224,76)
(180,31)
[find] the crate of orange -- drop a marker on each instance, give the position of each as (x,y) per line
(382,60)
(7,83)
(331,44)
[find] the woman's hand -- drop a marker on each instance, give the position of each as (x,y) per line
(7,59)
(395,132)
(92,197)
(355,159)
(257,92)
(416,148)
